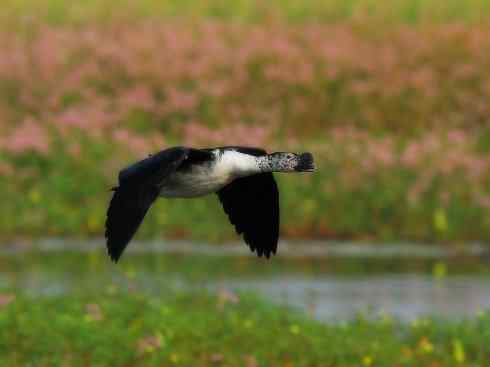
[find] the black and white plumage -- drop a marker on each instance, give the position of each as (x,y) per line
(240,176)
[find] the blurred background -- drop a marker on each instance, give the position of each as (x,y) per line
(384,252)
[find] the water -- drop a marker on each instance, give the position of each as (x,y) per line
(333,287)
(404,297)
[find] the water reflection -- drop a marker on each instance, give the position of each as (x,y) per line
(405,297)
(327,289)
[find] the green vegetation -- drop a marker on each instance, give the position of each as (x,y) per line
(201,330)
(66,196)
(392,12)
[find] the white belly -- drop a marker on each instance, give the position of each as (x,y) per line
(197,182)
(204,179)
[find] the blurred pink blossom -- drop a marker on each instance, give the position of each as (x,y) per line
(133,142)
(28,136)
(236,134)
(138,97)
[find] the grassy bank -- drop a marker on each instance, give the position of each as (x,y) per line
(59,195)
(202,330)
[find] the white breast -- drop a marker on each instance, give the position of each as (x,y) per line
(203,179)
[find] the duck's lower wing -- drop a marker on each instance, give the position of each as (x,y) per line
(138,189)
(127,209)
(252,205)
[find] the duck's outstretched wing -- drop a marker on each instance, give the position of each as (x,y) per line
(126,211)
(138,188)
(252,205)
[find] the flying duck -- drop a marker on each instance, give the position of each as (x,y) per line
(240,176)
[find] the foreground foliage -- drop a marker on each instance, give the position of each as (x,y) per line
(202,330)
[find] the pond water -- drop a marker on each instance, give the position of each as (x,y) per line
(405,297)
(333,287)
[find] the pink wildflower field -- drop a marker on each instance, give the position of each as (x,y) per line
(399,120)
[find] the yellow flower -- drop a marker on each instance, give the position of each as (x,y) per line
(439,270)
(34,196)
(425,346)
(440,220)
(294,329)
(458,351)
(174,358)
(248,324)
(367,361)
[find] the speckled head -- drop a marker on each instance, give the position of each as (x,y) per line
(291,162)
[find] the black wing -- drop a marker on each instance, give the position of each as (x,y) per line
(138,188)
(252,204)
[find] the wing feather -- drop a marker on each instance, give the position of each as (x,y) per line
(252,205)
(138,189)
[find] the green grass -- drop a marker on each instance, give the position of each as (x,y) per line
(396,11)
(48,200)
(197,329)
